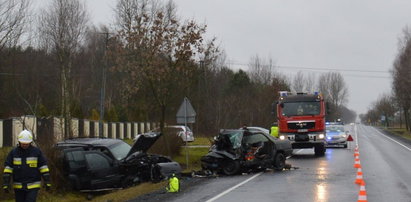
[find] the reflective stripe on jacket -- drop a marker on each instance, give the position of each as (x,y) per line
(26,166)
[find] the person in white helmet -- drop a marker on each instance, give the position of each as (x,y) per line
(25,165)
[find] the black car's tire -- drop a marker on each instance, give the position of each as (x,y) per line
(231,167)
(90,196)
(345,145)
(279,162)
(319,150)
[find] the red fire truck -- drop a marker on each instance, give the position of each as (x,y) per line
(301,119)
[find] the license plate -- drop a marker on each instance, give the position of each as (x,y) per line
(302,130)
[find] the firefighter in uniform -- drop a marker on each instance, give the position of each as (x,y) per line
(25,165)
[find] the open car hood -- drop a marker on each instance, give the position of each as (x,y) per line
(144,142)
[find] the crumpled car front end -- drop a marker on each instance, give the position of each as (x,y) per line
(149,167)
(225,154)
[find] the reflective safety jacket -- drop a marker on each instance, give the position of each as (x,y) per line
(26,167)
(173,184)
(274,131)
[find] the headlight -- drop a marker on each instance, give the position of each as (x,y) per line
(282,137)
(344,135)
(321,136)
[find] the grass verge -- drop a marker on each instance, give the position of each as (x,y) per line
(400,132)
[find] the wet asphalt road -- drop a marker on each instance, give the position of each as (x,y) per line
(385,165)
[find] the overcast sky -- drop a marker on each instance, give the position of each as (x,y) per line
(358,38)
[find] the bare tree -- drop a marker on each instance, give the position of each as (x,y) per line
(298,84)
(385,106)
(62,28)
(310,83)
(335,91)
(13,21)
(401,74)
(303,82)
(157,49)
(261,71)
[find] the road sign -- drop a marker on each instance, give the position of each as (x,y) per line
(186,113)
(350,139)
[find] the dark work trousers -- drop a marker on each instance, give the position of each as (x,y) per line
(26,195)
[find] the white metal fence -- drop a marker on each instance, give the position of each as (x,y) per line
(42,127)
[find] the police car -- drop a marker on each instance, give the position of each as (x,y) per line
(336,134)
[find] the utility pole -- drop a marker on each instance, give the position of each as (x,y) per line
(103,88)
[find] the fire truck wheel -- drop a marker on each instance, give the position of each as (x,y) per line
(319,150)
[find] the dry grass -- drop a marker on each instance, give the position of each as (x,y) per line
(132,192)
(201,141)
(400,132)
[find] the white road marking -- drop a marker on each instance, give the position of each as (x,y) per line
(298,151)
(393,140)
(356,135)
(232,188)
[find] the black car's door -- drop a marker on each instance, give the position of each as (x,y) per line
(260,141)
(75,168)
(103,173)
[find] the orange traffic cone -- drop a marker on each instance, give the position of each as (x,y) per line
(359,179)
(357,163)
(356,152)
(362,195)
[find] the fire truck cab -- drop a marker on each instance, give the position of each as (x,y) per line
(301,119)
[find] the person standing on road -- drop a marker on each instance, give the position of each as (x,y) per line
(274,130)
(25,165)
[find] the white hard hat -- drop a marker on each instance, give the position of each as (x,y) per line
(25,137)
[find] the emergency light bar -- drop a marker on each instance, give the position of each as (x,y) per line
(283,93)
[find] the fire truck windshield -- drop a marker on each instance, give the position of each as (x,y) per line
(300,108)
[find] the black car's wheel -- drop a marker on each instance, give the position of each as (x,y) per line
(279,162)
(89,196)
(345,145)
(231,167)
(319,150)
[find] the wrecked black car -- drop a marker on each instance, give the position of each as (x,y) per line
(240,150)
(98,164)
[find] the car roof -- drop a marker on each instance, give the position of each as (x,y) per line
(245,131)
(256,127)
(106,142)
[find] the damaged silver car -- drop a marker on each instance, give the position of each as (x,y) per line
(241,150)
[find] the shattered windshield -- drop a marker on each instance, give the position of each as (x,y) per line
(120,150)
(234,137)
(301,108)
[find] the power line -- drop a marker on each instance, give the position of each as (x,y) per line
(321,69)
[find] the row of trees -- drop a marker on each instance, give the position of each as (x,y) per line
(139,70)
(394,108)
